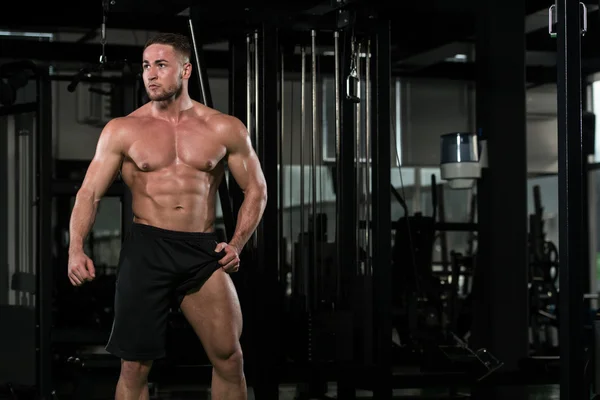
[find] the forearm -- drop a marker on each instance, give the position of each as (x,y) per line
(82,219)
(249,216)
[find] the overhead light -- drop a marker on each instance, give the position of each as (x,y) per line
(27,34)
(457,58)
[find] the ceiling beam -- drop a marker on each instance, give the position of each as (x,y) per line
(27,20)
(81,54)
(533,23)
(86,53)
(434,56)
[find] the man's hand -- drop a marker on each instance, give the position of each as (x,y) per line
(231,260)
(81,268)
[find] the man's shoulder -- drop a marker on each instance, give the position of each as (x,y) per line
(222,123)
(129,121)
(120,124)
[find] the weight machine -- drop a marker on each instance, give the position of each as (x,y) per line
(26,268)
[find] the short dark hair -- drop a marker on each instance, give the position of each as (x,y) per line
(179,42)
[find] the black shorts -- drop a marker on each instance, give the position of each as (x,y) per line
(157,268)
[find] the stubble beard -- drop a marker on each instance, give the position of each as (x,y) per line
(170,93)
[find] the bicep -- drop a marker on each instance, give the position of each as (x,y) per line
(245,165)
(105,164)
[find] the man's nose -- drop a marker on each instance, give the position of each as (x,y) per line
(151,73)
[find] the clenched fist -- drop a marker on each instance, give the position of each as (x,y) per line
(81,268)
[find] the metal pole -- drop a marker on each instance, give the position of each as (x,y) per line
(346,221)
(44,270)
(202,79)
(338,116)
(302,141)
(381,174)
(18,205)
(291,186)
(282,257)
(367,215)
(358,170)
(266,270)
(571,202)
(314,267)
(4,276)
(249,89)
(256,94)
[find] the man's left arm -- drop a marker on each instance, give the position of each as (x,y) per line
(247,172)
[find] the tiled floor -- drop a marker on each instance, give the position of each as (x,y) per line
(103,389)
(289,393)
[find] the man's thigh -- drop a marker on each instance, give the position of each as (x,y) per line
(215,315)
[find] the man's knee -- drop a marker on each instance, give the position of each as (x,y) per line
(135,372)
(230,365)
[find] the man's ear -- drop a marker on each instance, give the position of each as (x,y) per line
(187,70)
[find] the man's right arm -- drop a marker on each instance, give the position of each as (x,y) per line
(99,176)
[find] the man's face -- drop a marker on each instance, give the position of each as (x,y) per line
(164,72)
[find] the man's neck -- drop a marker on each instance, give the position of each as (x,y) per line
(171,109)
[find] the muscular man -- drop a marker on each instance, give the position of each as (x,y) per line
(170,153)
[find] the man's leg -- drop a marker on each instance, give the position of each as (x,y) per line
(133,381)
(214,313)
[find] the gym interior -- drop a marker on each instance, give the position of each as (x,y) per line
(432,223)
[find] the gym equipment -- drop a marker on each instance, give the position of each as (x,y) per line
(543,277)
(460,159)
(431,310)
(356,98)
(367,169)
(103,64)
(26,260)
(302,261)
(571,173)
(249,103)
(13,77)
(315,264)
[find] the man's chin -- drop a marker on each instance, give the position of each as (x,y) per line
(157,97)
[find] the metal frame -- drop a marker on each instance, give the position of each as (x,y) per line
(345,223)
(4,279)
(258,279)
(44,261)
(571,202)
(381,179)
(501,322)
(42,252)
(268,241)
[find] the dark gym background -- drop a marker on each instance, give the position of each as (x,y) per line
(460,300)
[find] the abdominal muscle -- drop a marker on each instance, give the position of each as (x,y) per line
(177,198)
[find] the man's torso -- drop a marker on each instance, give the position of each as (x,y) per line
(173,169)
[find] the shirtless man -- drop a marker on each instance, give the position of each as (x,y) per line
(170,154)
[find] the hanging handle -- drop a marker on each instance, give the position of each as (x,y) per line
(552,20)
(585,21)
